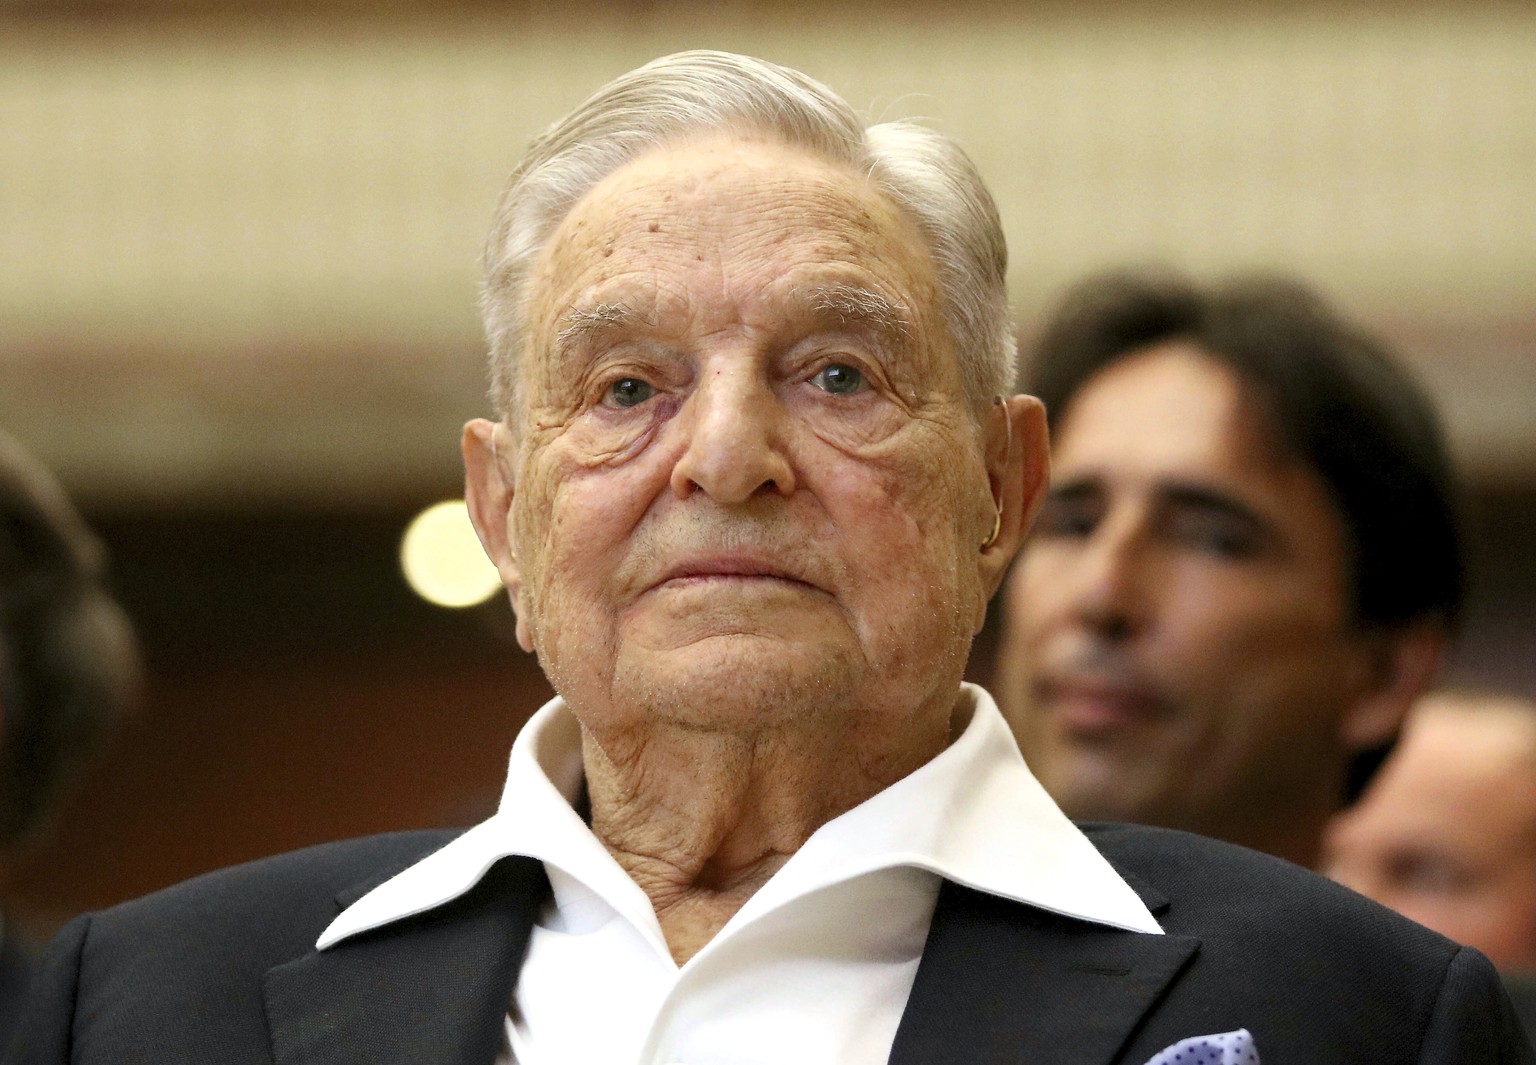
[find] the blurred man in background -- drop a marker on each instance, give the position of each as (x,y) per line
(67,666)
(1246,567)
(1447,833)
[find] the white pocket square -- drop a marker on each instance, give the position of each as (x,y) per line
(1227,1048)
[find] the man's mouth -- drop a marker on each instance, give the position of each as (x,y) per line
(741,569)
(1097,707)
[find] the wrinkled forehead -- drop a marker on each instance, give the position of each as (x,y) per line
(731,211)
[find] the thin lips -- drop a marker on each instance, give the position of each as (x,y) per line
(728,567)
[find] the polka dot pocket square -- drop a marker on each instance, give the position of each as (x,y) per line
(1228,1048)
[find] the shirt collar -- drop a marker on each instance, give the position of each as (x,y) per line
(974,814)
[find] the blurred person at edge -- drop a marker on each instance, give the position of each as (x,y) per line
(1245,569)
(1446,834)
(68,666)
(751,483)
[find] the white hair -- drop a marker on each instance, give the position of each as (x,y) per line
(689,94)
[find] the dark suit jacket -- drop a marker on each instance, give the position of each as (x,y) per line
(15,982)
(223,970)
(1521,988)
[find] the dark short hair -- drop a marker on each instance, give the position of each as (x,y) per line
(1334,398)
(68,663)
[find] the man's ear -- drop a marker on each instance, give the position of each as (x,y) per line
(1403,664)
(1018,471)
(490,483)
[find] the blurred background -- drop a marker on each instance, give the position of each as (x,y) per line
(237,318)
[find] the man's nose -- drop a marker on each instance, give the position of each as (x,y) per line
(1111,593)
(736,445)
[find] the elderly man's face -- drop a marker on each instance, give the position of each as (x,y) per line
(1180,651)
(745,479)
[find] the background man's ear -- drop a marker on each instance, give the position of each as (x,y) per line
(1018,471)
(490,477)
(1404,662)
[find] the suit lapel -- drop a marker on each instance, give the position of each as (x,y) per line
(1000,981)
(429,990)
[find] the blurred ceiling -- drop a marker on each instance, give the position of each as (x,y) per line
(240,240)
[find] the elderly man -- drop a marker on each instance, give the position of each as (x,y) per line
(1245,569)
(750,490)
(1447,834)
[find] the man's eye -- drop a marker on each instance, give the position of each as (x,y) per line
(1069,519)
(838,379)
(1216,536)
(629,392)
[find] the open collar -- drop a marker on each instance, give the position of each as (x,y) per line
(974,815)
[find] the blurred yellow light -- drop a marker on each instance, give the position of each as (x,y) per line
(443,560)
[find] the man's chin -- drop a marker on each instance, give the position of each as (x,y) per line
(739,682)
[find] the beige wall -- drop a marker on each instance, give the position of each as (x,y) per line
(239,251)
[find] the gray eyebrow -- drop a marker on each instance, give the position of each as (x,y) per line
(583,323)
(852,305)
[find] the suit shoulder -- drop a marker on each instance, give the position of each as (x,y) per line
(1185,859)
(296,889)
(1171,852)
(177,975)
(1314,971)
(1216,886)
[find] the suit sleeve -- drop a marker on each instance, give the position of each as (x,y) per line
(1473,1021)
(45,1036)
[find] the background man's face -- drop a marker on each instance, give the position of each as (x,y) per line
(1446,834)
(1178,651)
(746,475)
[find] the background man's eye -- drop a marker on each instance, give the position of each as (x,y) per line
(1074,519)
(838,379)
(629,392)
(1215,535)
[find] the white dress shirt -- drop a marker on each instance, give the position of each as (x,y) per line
(816,967)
